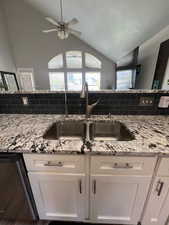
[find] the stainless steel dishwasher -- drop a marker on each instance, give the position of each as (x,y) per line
(16,199)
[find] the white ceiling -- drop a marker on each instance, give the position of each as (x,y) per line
(113,27)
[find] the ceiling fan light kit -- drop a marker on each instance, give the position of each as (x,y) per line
(62,34)
(62,28)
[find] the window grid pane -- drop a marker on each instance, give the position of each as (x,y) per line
(74,81)
(56,62)
(92,62)
(93,80)
(57,81)
(74,59)
(124,80)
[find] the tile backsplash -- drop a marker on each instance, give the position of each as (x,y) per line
(53,103)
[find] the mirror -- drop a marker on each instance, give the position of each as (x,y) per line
(122,46)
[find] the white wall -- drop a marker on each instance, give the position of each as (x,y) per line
(33,49)
(148,54)
(6,60)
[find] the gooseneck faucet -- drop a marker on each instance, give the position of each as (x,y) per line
(66,105)
(85,94)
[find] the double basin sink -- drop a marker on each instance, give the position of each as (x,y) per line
(89,131)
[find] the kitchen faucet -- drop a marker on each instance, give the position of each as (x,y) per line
(66,105)
(85,94)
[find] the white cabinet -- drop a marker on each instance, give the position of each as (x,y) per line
(59,196)
(100,189)
(118,199)
(59,186)
(119,189)
(157,208)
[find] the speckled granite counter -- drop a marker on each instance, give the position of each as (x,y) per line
(24,133)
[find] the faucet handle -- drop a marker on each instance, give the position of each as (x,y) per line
(95,103)
(90,107)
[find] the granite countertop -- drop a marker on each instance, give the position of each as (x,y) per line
(24,133)
(133,91)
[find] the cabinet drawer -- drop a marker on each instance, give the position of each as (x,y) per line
(163,169)
(57,163)
(122,165)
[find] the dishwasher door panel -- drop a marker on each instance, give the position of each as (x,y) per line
(15,202)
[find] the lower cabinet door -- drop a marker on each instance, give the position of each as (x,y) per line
(157,209)
(118,199)
(59,196)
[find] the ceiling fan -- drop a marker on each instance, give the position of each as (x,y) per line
(62,28)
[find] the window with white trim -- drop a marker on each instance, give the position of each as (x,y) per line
(56,62)
(125,79)
(57,81)
(26,79)
(69,70)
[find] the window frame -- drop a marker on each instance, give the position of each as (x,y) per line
(84,69)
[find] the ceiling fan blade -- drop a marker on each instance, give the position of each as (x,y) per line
(72,31)
(52,21)
(48,31)
(72,22)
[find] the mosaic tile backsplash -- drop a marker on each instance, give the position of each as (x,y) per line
(53,103)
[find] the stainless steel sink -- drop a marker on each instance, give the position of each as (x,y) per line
(79,130)
(68,130)
(106,130)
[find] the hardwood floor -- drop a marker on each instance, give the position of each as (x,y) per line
(11,222)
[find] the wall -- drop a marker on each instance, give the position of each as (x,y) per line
(6,60)
(33,49)
(148,54)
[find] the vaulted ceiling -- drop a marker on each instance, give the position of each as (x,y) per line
(113,27)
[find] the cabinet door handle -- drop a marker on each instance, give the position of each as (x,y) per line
(94,186)
(159,187)
(80,186)
(59,164)
(125,166)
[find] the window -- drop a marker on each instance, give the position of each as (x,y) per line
(93,80)
(56,62)
(70,69)
(124,79)
(2,87)
(74,81)
(57,82)
(74,59)
(8,81)
(11,82)
(92,62)
(26,79)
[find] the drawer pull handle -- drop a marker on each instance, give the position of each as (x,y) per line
(59,164)
(126,166)
(94,186)
(159,187)
(80,186)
